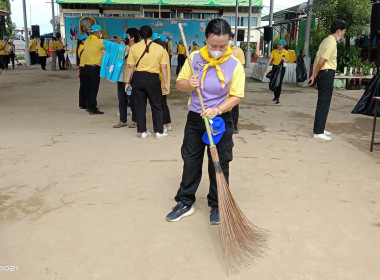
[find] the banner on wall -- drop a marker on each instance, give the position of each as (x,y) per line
(75,26)
(255,3)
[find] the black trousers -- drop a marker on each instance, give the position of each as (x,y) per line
(2,62)
(82,89)
(6,61)
(325,82)
(123,101)
(181,62)
(192,151)
(235,115)
(277,93)
(92,81)
(61,59)
(131,103)
(166,111)
(12,56)
(147,86)
(43,62)
(33,58)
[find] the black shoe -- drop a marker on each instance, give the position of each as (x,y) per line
(83,107)
(96,112)
(236,131)
(277,101)
(274,99)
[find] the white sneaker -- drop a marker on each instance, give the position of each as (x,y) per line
(161,135)
(165,130)
(322,137)
(145,134)
(169,128)
(328,133)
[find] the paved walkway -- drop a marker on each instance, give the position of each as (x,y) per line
(82,200)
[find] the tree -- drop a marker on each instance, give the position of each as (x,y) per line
(6,25)
(357,13)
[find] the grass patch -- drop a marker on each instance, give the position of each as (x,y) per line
(252,80)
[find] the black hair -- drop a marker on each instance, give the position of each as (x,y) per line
(218,27)
(114,37)
(161,43)
(145,33)
(338,25)
(42,41)
(79,42)
(133,33)
(31,36)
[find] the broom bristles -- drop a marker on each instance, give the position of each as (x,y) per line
(241,240)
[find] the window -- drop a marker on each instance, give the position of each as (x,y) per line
(197,16)
(151,14)
(209,16)
(173,15)
(186,15)
(244,21)
(165,15)
(230,20)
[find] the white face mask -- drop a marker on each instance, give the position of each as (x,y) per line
(216,54)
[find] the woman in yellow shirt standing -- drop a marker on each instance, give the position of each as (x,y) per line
(195,46)
(278,56)
(42,50)
(147,59)
(181,55)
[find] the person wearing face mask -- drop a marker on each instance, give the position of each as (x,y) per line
(239,54)
(278,56)
(92,60)
(325,64)
(220,77)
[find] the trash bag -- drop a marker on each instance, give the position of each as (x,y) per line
(301,70)
(271,73)
(366,106)
(275,81)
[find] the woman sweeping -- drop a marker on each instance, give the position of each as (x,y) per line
(147,59)
(221,79)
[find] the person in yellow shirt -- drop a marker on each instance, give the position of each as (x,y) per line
(239,54)
(33,50)
(277,56)
(195,46)
(170,46)
(61,53)
(12,54)
(53,49)
(82,86)
(92,60)
(181,55)
(3,52)
(147,59)
(43,51)
(325,64)
(221,78)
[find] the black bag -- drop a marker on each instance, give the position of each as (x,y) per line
(366,105)
(137,64)
(271,73)
(301,70)
(275,81)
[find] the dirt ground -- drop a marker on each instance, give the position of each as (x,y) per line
(82,200)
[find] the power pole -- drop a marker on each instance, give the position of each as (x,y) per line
(271,26)
(52,13)
(236,21)
(27,56)
(249,51)
(307,58)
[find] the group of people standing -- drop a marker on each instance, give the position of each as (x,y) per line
(7,54)
(145,77)
(39,52)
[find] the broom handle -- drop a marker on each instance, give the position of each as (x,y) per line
(197,88)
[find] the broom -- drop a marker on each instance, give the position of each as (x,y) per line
(241,240)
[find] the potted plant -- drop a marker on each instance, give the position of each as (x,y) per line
(254,57)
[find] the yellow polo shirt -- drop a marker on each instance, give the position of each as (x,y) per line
(32,45)
(292,56)
(60,45)
(80,53)
(92,54)
(2,47)
(195,48)
(277,56)
(53,46)
(42,51)
(238,53)
(170,46)
(168,74)
(328,50)
(152,60)
(236,86)
(181,49)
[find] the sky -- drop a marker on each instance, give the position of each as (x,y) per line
(40,11)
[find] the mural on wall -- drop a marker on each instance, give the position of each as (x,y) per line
(194,29)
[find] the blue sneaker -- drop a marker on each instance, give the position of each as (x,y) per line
(179,211)
(214,216)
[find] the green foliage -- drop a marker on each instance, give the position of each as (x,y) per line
(5,5)
(21,57)
(357,13)
(316,40)
(367,67)
(244,47)
(283,36)
(6,25)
